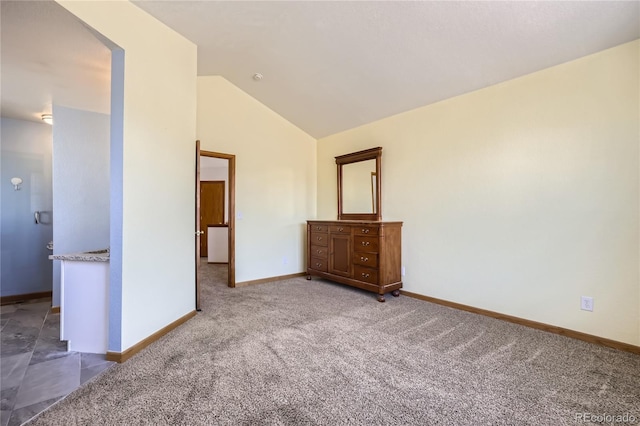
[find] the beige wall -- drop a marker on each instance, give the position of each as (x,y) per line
(275,177)
(158,169)
(521,197)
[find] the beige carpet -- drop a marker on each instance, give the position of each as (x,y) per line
(312,352)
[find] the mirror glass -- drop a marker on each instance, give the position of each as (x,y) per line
(358,185)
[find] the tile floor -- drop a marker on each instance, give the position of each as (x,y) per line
(36,369)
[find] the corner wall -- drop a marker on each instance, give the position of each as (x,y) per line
(153,170)
(80,184)
(521,197)
(275,177)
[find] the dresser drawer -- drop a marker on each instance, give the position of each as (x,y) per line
(319,239)
(318,228)
(340,229)
(366,259)
(365,274)
(319,251)
(366,244)
(318,264)
(365,230)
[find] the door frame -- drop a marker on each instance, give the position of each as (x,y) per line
(231,202)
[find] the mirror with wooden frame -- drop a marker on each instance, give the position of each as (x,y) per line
(359,185)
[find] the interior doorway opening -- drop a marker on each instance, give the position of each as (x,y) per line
(214,221)
(220,237)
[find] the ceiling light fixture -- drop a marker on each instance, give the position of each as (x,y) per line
(47,118)
(257,76)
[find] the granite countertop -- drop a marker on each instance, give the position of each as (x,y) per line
(87,256)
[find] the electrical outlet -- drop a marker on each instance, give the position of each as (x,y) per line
(404,271)
(285,260)
(586,303)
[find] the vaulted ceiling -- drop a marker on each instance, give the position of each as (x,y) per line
(48,55)
(328,66)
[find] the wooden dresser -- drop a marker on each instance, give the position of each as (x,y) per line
(360,253)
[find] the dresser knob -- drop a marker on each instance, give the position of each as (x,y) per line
(365,243)
(319,251)
(319,238)
(365,231)
(340,229)
(365,275)
(364,259)
(318,228)
(318,264)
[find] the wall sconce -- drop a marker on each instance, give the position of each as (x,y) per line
(47,118)
(16,182)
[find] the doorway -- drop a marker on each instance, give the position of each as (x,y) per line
(212,214)
(227,210)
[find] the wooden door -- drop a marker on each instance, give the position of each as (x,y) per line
(340,254)
(197,222)
(211,210)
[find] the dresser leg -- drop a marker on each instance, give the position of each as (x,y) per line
(395,293)
(308,277)
(381,298)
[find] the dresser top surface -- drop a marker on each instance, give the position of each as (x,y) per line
(357,222)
